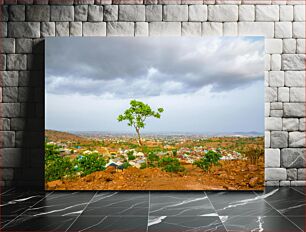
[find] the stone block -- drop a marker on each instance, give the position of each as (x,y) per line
(212,29)
(120,29)
(16,62)
(297,183)
(286,13)
(277,113)
(273,46)
(47,29)
(293,157)
(256,28)
(301,174)
(9,94)
(270,94)
(296,139)
(276,62)
(94,29)
(141,29)
(294,110)
(197,13)
(165,29)
(279,139)
(275,174)
(62,13)
(289,46)
(17,13)
(294,78)
(131,13)
(267,138)
(293,61)
(24,45)
(154,13)
(273,123)
(81,12)
(302,124)
(62,29)
(24,29)
(230,29)
(297,94)
(298,30)
(95,13)
(300,47)
(11,110)
(246,13)
(8,45)
(267,13)
(110,12)
(38,13)
(222,13)
(175,13)
(291,174)
(75,29)
(283,30)
(272,158)
(290,124)
(191,29)
(9,78)
(299,13)
(277,79)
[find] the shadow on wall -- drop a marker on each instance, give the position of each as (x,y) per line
(31,139)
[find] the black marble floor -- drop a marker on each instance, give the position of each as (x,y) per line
(274,210)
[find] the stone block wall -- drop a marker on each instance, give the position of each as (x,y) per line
(25,23)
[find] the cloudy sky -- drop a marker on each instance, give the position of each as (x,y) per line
(204,84)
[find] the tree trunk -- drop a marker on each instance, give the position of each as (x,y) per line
(139,139)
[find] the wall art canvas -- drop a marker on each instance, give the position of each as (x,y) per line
(154,113)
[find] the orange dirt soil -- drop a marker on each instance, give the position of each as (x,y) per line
(231,175)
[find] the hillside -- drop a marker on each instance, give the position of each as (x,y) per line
(60,136)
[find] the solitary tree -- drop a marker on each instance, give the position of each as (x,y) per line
(137,114)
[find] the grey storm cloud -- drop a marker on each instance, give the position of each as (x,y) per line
(150,66)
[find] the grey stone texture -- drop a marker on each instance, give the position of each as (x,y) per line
(80,12)
(94,29)
(24,29)
(95,13)
(62,13)
(293,157)
(131,13)
(111,12)
(38,13)
(283,25)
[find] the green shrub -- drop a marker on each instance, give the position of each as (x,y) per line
(209,159)
(143,166)
(130,155)
(56,166)
(170,164)
(90,163)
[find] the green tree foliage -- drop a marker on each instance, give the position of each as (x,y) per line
(170,164)
(130,155)
(137,114)
(56,166)
(209,159)
(89,163)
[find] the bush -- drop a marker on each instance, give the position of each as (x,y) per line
(56,166)
(152,159)
(130,155)
(90,163)
(170,164)
(209,159)
(253,153)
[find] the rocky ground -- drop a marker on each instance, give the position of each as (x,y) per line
(231,175)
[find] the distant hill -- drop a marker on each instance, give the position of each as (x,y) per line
(60,136)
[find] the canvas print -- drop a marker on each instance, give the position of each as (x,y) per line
(154,113)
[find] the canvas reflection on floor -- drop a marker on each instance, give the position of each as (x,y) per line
(154,113)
